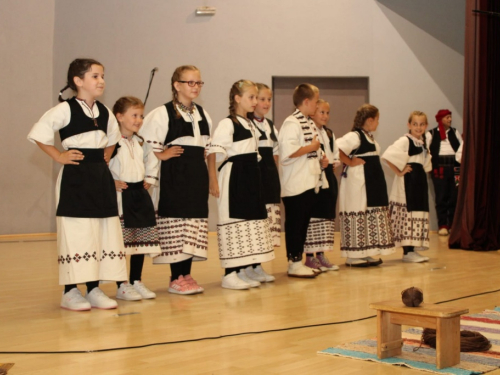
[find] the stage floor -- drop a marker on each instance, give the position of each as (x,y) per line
(274,329)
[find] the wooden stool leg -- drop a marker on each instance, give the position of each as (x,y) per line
(388,336)
(448,342)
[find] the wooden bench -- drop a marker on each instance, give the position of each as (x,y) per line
(445,320)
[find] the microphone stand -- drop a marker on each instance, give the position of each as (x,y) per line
(150,82)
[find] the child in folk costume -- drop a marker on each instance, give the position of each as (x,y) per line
(443,143)
(243,226)
(89,236)
(134,168)
(268,150)
(409,158)
(302,161)
(363,202)
(179,132)
(320,233)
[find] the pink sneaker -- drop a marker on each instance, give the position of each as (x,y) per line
(326,265)
(193,282)
(314,264)
(181,286)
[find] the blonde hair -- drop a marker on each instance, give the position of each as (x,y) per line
(176,77)
(302,92)
(262,86)
(322,101)
(363,113)
(238,88)
(417,113)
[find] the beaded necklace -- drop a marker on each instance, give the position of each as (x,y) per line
(186,109)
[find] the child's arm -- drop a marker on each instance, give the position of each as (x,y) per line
(108,151)
(406,169)
(65,157)
(212,176)
(314,146)
(170,152)
(355,161)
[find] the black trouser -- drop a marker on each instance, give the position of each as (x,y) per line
(298,210)
(446,192)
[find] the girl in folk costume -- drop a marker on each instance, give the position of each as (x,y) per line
(363,202)
(268,150)
(179,132)
(243,226)
(302,161)
(320,233)
(89,236)
(134,168)
(409,158)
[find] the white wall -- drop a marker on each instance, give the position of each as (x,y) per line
(26,47)
(413,53)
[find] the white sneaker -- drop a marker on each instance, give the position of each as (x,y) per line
(413,257)
(99,300)
(252,275)
(74,301)
(260,271)
(232,281)
(443,232)
(297,269)
(420,255)
(243,276)
(127,292)
(143,290)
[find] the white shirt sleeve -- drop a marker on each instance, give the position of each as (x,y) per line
(397,153)
(155,128)
(222,139)
(349,142)
(151,164)
(53,120)
(290,141)
(113,131)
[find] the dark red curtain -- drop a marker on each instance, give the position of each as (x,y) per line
(477,218)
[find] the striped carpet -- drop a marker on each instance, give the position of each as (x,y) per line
(487,323)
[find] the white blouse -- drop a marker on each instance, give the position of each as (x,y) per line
(155,129)
(59,116)
(134,163)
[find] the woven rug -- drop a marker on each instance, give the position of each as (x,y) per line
(487,323)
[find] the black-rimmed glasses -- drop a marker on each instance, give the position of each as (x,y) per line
(193,83)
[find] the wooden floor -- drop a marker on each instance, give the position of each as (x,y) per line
(184,332)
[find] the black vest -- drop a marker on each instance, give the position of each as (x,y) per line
(414,150)
(178,127)
(80,123)
(330,137)
(365,146)
(263,135)
(240,132)
(436,144)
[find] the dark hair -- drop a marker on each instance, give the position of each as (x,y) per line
(302,92)
(176,77)
(238,88)
(364,112)
(126,102)
(77,68)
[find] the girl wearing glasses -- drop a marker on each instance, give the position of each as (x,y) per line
(179,131)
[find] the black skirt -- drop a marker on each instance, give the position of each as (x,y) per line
(271,188)
(326,199)
(376,187)
(184,185)
(88,189)
(245,188)
(416,191)
(137,206)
